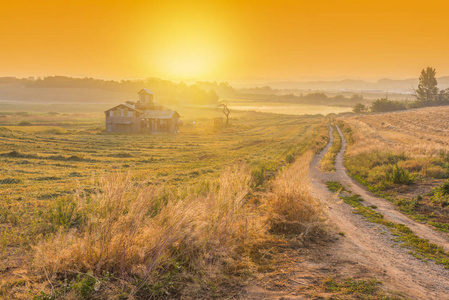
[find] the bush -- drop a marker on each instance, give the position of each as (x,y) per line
(441,194)
(25,124)
(359,108)
(385,105)
(399,176)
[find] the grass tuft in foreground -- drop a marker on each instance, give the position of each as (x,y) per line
(291,206)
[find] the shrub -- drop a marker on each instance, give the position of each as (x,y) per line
(399,176)
(359,108)
(25,124)
(444,155)
(385,105)
(441,194)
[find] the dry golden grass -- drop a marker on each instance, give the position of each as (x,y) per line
(292,207)
(141,231)
(128,231)
(420,132)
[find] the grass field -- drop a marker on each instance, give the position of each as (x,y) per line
(53,161)
(404,157)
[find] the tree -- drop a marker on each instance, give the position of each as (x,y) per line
(226,111)
(443,97)
(359,108)
(427,92)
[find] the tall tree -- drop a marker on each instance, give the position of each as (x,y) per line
(427,91)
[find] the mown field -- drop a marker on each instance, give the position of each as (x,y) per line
(404,157)
(51,162)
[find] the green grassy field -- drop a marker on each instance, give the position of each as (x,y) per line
(47,160)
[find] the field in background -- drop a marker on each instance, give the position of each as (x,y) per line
(286,108)
(404,157)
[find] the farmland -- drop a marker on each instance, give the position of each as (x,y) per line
(404,157)
(48,158)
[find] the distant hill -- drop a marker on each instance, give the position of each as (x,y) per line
(381,85)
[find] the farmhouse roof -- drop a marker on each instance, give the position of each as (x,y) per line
(147,91)
(159,114)
(126,105)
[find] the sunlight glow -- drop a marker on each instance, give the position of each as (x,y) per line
(187,63)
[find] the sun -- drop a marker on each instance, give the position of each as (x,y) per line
(188,63)
(186,48)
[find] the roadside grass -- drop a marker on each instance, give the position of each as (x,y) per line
(348,288)
(420,248)
(292,208)
(327,163)
(56,185)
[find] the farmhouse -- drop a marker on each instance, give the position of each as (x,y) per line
(141,116)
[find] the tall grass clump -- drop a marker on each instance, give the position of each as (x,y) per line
(147,240)
(291,206)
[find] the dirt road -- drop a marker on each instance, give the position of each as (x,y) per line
(367,249)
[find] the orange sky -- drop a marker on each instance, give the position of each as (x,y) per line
(223,40)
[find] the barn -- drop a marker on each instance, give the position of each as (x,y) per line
(142,116)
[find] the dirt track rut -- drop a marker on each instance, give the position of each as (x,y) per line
(367,249)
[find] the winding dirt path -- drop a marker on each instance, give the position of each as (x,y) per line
(367,249)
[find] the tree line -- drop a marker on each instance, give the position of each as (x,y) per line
(427,94)
(168,91)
